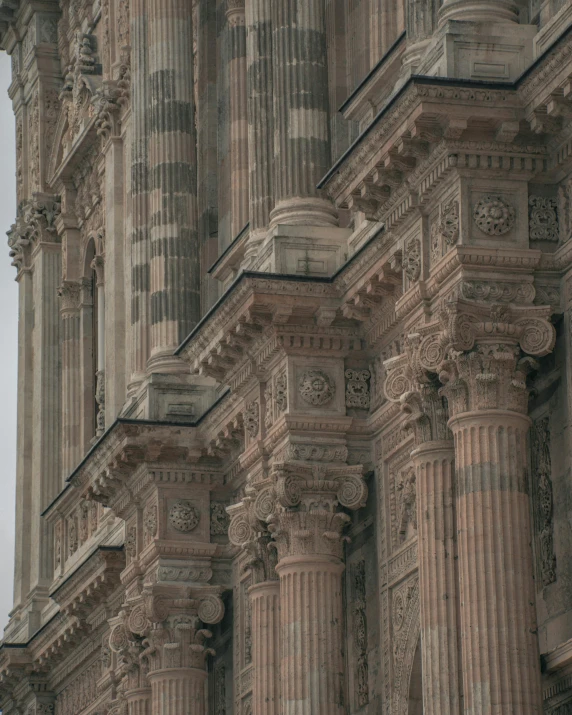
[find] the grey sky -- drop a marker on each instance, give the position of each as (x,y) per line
(9,353)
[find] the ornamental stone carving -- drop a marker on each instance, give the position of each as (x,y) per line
(252,419)
(406,494)
(150,521)
(211,609)
(316,388)
(184,516)
(219,519)
(498,291)
(131,542)
(493,215)
(412,259)
(543,499)
(542,219)
(360,633)
(281,391)
(449,222)
(357,388)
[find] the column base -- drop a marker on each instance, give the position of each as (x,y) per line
(304,212)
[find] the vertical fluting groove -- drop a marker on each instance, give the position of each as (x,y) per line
(71,390)
(265,600)
(239,189)
(311,618)
(260,112)
(178,692)
(139,702)
(140,237)
(499,642)
(25,440)
(438,579)
(301,129)
(175,289)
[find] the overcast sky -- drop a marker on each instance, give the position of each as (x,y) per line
(9,341)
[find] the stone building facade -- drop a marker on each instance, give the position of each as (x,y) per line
(295,363)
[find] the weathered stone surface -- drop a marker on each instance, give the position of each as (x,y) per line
(295,294)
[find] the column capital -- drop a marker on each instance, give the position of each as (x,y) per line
(70,294)
(472,349)
(235,12)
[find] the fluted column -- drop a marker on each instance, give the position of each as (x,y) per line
(308,530)
(178,691)
(72,448)
(487,396)
(435,468)
(140,238)
(175,289)
(301,130)
(260,120)
(265,608)
(238,117)
(139,701)
(409,382)
(479,11)
(244,531)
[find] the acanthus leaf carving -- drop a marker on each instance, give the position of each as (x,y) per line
(543,219)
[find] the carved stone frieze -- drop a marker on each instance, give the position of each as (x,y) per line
(360,633)
(412,259)
(449,222)
(219,519)
(252,419)
(357,388)
(493,215)
(543,499)
(542,219)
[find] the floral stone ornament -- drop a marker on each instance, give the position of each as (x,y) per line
(184,516)
(493,215)
(316,388)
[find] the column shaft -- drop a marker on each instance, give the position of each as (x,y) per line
(24,437)
(140,249)
(481,11)
(175,289)
(435,467)
(311,628)
(178,691)
(265,606)
(260,115)
(139,701)
(71,378)
(238,118)
(501,665)
(301,131)
(46,453)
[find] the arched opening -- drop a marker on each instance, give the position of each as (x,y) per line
(415,706)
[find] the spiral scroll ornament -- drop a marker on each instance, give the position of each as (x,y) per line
(352,492)
(538,336)
(264,503)
(432,352)
(397,382)
(239,531)
(118,640)
(289,491)
(211,609)
(138,622)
